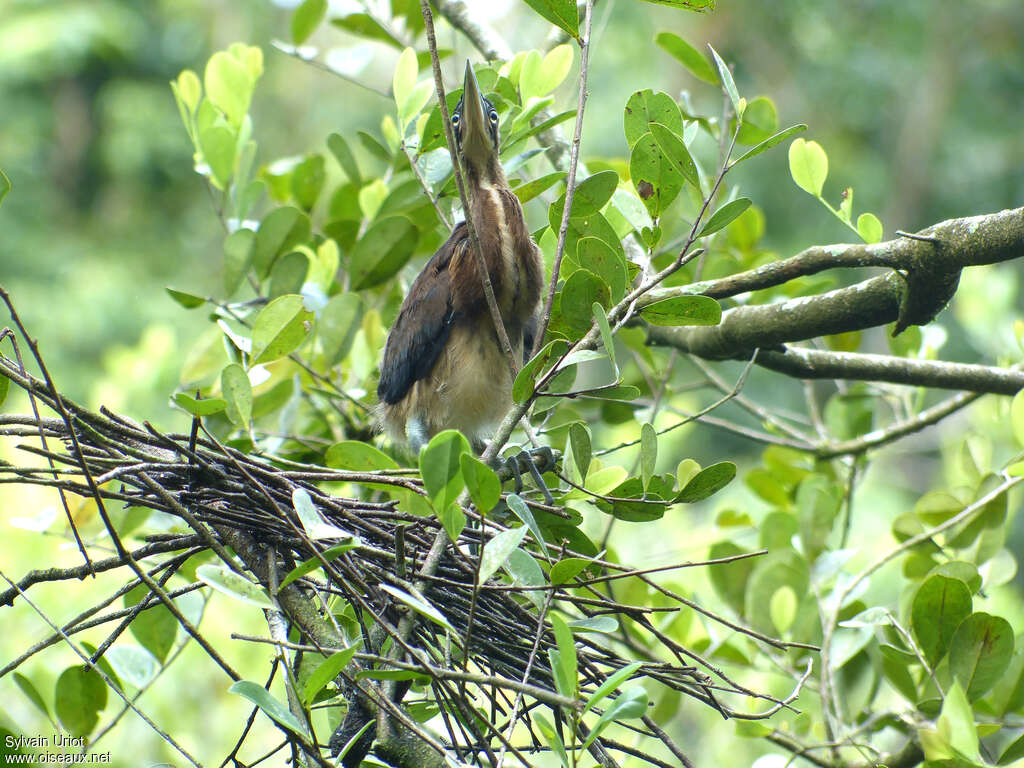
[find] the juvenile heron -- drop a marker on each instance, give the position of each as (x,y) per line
(443,365)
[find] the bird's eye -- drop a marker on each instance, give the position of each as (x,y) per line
(455,119)
(494,117)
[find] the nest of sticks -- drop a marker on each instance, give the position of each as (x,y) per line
(223,494)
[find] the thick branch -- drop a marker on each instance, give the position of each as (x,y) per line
(929,267)
(967,242)
(816,364)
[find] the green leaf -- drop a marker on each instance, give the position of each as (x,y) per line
(869,228)
(404,79)
(481,481)
(5,185)
(646,107)
(688,56)
(288,274)
(760,121)
(654,175)
(526,572)
(554,741)
(498,549)
(270,706)
(728,84)
(579,439)
(205,407)
(314,525)
(328,669)
(1017,417)
(531,189)
(280,231)
(381,252)
(229,86)
(601,318)
(600,258)
(683,310)
(523,386)
(724,215)
(980,652)
(313,563)
(564,664)
(279,328)
(306,19)
(780,567)
(223,579)
(217,143)
(581,291)
(187,300)
(520,510)
(237,259)
(590,196)
(156,627)
(307,181)
(441,468)
(420,605)
(343,154)
(357,456)
(808,165)
(648,452)
(561,13)
(29,689)
(940,605)
(237,391)
(770,142)
(604,625)
(1014,752)
(730,579)
(675,151)
(79,696)
(453,519)
(957,725)
(610,684)
(782,607)
(567,569)
(630,705)
(539,77)
(339,321)
(133,664)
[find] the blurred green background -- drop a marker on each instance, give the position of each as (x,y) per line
(919,105)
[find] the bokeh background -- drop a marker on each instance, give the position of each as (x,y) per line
(919,105)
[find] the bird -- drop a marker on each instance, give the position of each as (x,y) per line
(443,365)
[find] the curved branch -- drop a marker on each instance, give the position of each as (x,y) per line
(817,364)
(966,242)
(929,264)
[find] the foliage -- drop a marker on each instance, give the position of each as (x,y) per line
(319,247)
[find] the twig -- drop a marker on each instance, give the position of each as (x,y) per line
(570,188)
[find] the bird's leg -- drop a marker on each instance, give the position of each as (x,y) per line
(530,461)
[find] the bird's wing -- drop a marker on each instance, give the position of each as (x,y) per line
(423,324)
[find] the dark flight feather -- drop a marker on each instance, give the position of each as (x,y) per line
(414,345)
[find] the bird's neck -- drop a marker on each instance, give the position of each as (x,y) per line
(482,178)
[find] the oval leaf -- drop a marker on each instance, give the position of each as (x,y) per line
(707,482)
(270,706)
(683,310)
(225,580)
(724,215)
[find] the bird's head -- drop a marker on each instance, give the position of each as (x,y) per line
(475,125)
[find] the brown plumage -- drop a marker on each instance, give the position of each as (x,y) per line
(443,366)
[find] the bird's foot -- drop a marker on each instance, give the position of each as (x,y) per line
(535,462)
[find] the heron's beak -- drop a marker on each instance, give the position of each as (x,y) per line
(476,140)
